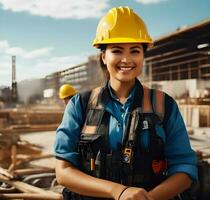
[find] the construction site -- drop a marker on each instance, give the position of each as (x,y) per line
(178,64)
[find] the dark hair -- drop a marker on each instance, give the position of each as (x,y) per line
(103,47)
(144,47)
(104,67)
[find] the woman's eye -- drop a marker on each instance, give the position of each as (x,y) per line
(135,51)
(116,51)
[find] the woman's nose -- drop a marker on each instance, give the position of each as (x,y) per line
(126,59)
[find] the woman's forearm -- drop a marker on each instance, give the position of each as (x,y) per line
(171,187)
(83,184)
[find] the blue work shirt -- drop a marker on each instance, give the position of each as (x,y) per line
(180,157)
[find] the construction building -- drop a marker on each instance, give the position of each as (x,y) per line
(83,77)
(182,57)
(179,64)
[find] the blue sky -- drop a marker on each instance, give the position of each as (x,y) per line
(51,35)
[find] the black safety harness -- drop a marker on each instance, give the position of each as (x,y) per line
(132,164)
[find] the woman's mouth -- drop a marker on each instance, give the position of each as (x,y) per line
(125,69)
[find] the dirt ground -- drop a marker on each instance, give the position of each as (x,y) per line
(45,140)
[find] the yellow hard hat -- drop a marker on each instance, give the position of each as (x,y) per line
(66,90)
(121,25)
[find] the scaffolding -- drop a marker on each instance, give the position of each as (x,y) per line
(184,54)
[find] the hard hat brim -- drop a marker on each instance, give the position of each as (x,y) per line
(122,40)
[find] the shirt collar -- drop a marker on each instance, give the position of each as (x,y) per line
(130,96)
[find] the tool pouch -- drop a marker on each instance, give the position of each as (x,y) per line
(89,149)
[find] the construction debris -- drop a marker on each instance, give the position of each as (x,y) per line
(14,151)
(21,180)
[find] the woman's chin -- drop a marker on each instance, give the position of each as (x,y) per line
(125,79)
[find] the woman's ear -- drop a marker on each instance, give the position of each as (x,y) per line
(103,57)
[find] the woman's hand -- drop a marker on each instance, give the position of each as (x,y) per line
(133,193)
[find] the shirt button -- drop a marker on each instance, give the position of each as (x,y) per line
(118,124)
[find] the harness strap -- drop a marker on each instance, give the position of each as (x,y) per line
(147,105)
(157,105)
(134,123)
(92,103)
(93,100)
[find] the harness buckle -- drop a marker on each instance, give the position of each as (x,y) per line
(145,125)
(127,155)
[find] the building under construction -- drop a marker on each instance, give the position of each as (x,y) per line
(182,55)
(179,64)
(83,77)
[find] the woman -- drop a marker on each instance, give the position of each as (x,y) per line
(138,158)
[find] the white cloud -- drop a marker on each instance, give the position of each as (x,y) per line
(19,51)
(4,45)
(34,63)
(38,53)
(54,64)
(15,51)
(150,1)
(60,9)
(69,60)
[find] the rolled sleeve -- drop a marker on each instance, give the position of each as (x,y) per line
(179,154)
(191,170)
(68,133)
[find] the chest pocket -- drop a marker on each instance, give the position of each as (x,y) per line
(150,137)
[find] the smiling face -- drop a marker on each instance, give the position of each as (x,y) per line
(124,61)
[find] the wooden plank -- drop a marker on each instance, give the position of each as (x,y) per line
(26,188)
(205,65)
(13,158)
(26,159)
(30,196)
(29,171)
(6,173)
(151,58)
(178,63)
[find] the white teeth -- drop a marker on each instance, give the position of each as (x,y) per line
(125,68)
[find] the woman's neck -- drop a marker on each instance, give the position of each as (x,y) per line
(122,89)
